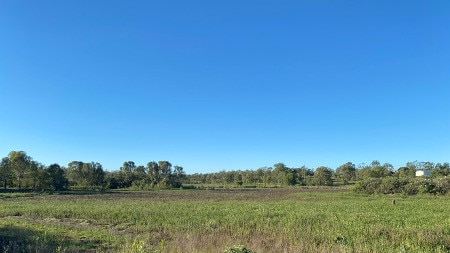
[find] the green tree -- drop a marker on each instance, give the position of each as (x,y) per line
(75,173)
(85,174)
(179,176)
(34,179)
(140,171)
(238,180)
(284,175)
(96,174)
(20,163)
(346,172)
(57,175)
(441,169)
(379,171)
(5,172)
(302,175)
(153,173)
(165,171)
(406,172)
(323,176)
(127,173)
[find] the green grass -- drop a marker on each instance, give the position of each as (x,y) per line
(264,220)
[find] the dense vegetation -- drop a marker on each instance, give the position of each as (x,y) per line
(18,170)
(297,219)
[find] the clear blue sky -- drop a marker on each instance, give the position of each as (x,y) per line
(224,85)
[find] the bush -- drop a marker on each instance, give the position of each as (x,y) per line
(238,249)
(408,186)
(369,186)
(411,188)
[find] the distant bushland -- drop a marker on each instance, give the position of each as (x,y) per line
(21,172)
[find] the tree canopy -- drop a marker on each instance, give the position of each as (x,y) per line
(18,170)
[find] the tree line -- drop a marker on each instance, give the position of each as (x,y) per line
(347,173)
(18,170)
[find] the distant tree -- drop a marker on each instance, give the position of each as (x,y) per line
(141,171)
(128,166)
(114,180)
(153,173)
(406,172)
(346,172)
(127,173)
(20,163)
(238,179)
(57,175)
(5,172)
(165,169)
(441,169)
(378,171)
(75,173)
(283,174)
(428,166)
(96,174)
(179,173)
(34,178)
(227,177)
(85,174)
(323,176)
(415,165)
(302,174)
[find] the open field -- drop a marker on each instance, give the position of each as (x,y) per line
(264,220)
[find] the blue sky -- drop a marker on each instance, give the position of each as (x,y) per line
(224,85)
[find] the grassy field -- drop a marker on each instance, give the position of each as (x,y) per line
(263,220)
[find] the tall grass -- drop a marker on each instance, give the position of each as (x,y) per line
(270,220)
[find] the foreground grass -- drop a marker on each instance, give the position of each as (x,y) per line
(264,220)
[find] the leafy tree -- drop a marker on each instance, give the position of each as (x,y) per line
(85,174)
(75,173)
(128,166)
(406,172)
(378,171)
(302,174)
(57,176)
(35,175)
(323,176)
(127,173)
(165,169)
(115,180)
(140,171)
(96,174)
(284,175)
(5,171)
(428,166)
(414,165)
(179,173)
(20,163)
(153,173)
(346,172)
(238,179)
(441,169)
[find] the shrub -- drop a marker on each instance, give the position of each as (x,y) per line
(238,249)
(408,186)
(369,186)
(411,188)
